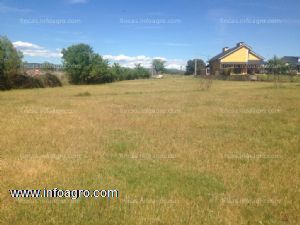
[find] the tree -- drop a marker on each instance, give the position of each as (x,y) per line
(122,73)
(10,62)
(190,67)
(10,58)
(141,72)
(84,66)
(77,60)
(99,71)
(158,65)
(276,66)
(117,72)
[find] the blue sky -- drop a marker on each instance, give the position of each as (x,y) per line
(135,31)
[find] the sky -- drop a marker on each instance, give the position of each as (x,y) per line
(137,31)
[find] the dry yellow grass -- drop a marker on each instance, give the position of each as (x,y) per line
(176,153)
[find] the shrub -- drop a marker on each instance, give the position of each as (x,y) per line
(108,78)
(21,81)
(276,66)
(24,81)
(122,73)
(50,80)
(140,72)
(128,74)
(4,84)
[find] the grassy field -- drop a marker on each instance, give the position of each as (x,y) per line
(176,153)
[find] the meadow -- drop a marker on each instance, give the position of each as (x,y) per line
(178,154)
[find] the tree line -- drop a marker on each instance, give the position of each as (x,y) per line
(81,64)
(84,66)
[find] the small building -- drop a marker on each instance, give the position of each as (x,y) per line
(240,59)
(293,62)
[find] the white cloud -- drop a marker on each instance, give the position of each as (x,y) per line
(125,58)
(7,9)
(145,61)
(33,50)
(26,45)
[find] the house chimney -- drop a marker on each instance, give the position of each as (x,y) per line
(225,49)
(240,44)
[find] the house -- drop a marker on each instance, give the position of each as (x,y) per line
(293,62)
(240,59)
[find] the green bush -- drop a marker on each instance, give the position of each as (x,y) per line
(108,77)
(120,73)
(129,74)
(140,72)
(83,66)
